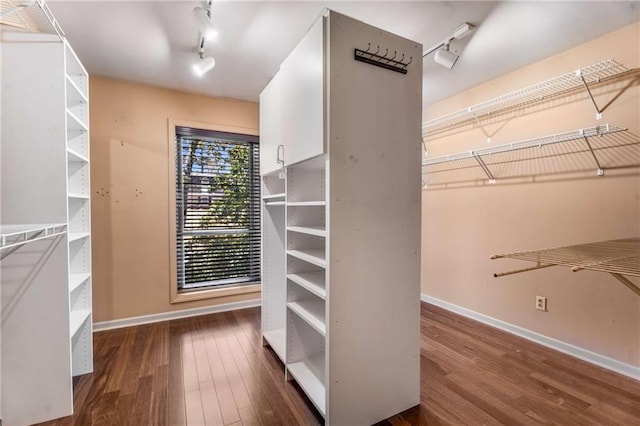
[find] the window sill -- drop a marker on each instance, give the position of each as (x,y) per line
(216,292)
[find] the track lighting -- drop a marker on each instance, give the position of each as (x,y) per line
(203,66)
(203,19)
(207,32)
(443,55)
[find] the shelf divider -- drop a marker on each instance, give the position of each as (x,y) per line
(76,319)
(318,231)
(76,280)
(306,203)
(312,312)
(311,281)
(310,373)
(313,256)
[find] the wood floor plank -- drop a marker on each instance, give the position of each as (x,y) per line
(193,371)
(193,404)
(198,337)
(238,388)
(249,417)
(142,401)
(210,405)
(175,384)
(223,388)
(189,368)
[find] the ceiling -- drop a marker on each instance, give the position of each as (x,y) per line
(155,42)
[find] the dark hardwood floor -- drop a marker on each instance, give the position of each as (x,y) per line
(213,370)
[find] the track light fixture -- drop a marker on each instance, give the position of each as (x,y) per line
(443,55)
(202,17)
(205,64)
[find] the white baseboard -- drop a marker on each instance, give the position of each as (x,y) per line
(566,348)
(166,316)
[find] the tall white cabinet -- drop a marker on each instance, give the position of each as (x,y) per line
(341,225)
(46,285)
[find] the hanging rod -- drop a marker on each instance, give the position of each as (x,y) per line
(616,257)
(580,78)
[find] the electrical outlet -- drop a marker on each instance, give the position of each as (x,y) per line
(541,303)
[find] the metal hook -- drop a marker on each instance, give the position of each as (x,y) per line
(386,51)
(368,47)
(377,50)
(410,60)
(402,59)
(394,55)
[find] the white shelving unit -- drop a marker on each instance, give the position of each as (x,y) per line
(341,259)
(45,179)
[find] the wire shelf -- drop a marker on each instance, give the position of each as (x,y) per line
(592,149)
(616,257)
(12,237)
(36,18)
(538,92)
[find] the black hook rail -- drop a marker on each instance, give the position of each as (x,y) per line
(384,61)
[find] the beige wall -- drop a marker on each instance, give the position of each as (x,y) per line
(463,227)
(130,187)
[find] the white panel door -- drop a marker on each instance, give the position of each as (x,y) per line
(271,126)
(303,94)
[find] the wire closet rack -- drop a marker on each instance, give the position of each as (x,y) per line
(560,85)
(620,258)
(591,149)
(36,18)
(12,237)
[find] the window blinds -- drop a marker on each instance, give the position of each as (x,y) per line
(217,208)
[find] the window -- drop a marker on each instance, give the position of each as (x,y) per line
(217,209)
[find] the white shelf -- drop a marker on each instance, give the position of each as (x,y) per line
(74,123)
(313,256)
(306,203)
(277,341)
(309,374)
(76,280)
(274,196)
(531,94)
(76,319)
(311,281)
(78,196)
(318,231)
(595,148)
(74,94)
(75,236)
(75,157)
(274,203)
(312,312)
(17,235)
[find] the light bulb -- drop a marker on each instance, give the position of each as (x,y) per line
(203,66)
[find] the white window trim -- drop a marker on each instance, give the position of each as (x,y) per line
(206,293)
